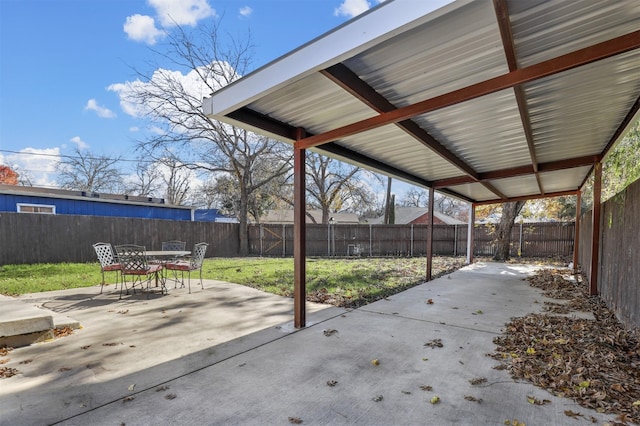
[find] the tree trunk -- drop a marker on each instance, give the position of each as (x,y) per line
(502,233)
(388,200)
(243,219)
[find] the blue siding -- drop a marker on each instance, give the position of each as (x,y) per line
(8,203)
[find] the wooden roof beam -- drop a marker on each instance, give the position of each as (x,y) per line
(534,72)
(552,166)
(504,25)
(528,197)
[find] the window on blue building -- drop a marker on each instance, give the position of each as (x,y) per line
(36,208)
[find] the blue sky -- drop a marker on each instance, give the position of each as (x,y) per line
(59,58)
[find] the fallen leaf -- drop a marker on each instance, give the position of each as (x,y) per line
(130,388)
(329,332)
(295,420)
(375,362)
(535,401)
(478,380)
(572,414)
(426,387)
(434,399)
(378,398)
(435,343)
(170,396)
(332,383)
(429,302)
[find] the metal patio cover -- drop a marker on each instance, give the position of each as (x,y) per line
(484,100)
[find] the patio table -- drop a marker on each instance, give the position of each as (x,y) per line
(165,255)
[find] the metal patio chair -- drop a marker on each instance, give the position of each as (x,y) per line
(174,245)
(108,261)
(192,264)
(133,261)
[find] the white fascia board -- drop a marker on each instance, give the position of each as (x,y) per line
(379,24)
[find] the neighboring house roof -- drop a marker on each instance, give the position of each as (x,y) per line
(406,215)
(286,216)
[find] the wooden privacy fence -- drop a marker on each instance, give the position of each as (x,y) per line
(40,238)
(529,239)
(619,260)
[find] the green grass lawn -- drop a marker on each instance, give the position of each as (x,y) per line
(341,282)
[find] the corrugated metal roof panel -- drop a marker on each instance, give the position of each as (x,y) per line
(546,29)
(517,186)
(315,103)
(391,145)
(585,104)
(485,132)
(557,181)
(436,58)
(473,190)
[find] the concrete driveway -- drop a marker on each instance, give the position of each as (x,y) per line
(229,354)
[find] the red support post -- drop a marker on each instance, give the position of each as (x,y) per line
(299,235)
(471,232)
(430,236)
(595,236)
(576,237)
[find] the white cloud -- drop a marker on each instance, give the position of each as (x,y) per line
(79,143)
(38,164)
(246,11)
(169,13)
(352,8)
(191,83)
(142,28)
(92,105)
(181,12)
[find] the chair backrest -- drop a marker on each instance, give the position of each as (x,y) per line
(105,254)
(173,245)
(132,257)
(197,257)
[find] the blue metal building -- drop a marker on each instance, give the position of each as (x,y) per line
(23,199)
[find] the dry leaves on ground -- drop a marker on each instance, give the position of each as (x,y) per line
(595,362)
(62,332)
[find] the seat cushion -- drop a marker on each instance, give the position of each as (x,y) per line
(178,266)
(112,267)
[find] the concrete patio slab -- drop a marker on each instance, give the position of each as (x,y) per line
(230,355)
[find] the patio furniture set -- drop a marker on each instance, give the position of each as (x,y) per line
(143,266)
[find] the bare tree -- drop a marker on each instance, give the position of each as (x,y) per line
(415,197)
(176,179)
(334,186)
(85,172)
(173,101)
(147,179)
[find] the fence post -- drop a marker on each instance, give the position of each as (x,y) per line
(284,241)
(520,252)
(261,238)
(370,239)
(411,245)
(455,239)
